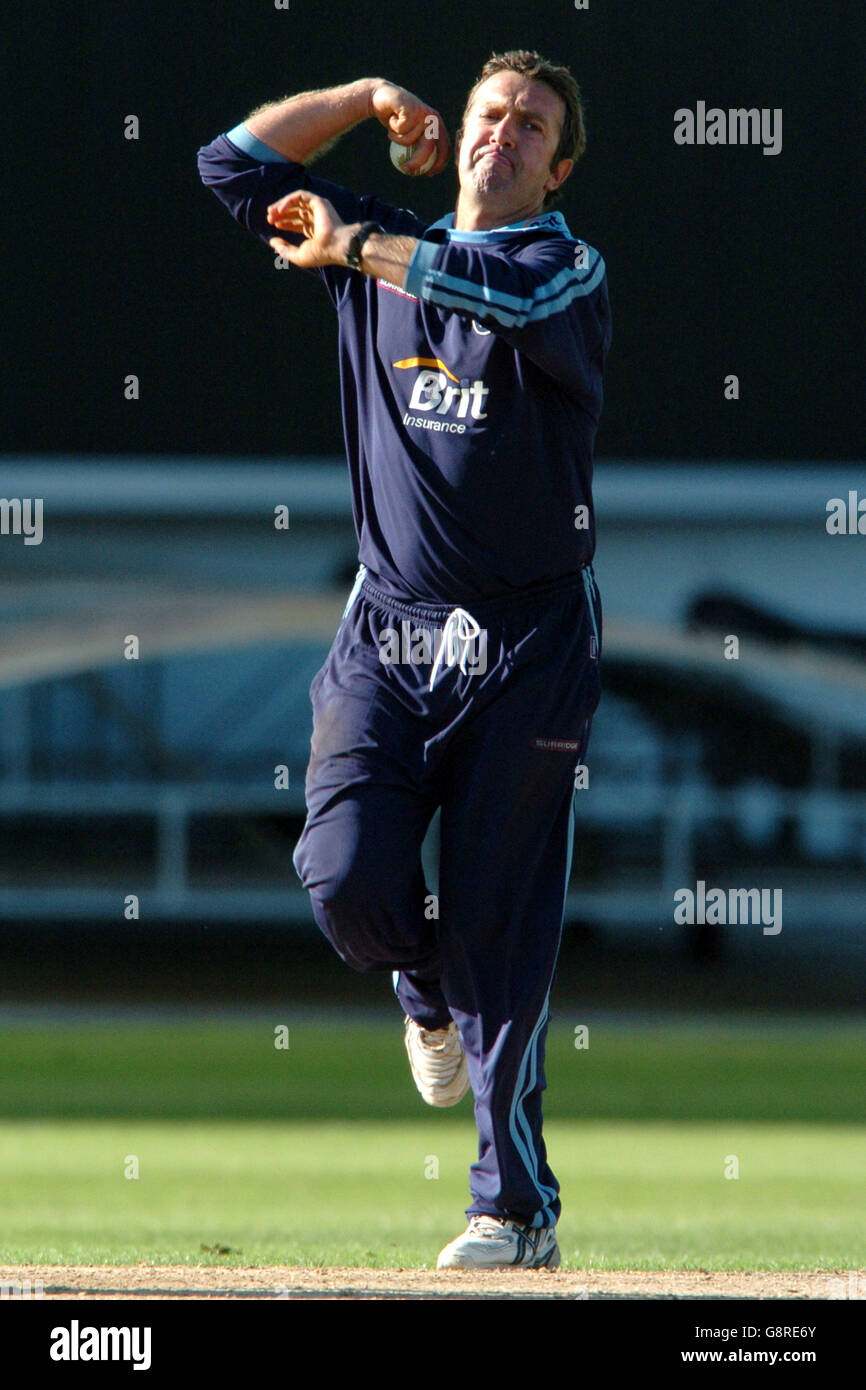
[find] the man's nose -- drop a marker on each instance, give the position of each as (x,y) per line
(503,131)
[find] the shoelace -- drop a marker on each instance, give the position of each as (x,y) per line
(441,1055)
(489,1227)
(460,626)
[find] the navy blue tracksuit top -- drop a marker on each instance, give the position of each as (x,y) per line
(470,398)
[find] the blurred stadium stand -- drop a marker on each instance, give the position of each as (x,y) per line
(156,776)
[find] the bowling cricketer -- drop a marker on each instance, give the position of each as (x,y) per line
(465,671)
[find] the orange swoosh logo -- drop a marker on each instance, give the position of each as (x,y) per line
(426,362)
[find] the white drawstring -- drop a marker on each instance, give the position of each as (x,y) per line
(459,627)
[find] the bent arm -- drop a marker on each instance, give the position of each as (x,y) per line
(304,125)
(326,238)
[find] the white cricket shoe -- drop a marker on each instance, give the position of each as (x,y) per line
(438,1062)
(491,1242)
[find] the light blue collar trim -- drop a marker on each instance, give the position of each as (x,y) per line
(554,220)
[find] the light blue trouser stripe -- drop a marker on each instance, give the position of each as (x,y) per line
(589,586)
(359,579)
(526,1083)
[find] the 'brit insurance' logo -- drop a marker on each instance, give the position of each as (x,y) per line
(445,400)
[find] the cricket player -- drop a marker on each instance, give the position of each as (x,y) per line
(464,673)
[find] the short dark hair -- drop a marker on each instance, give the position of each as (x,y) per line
(572,138)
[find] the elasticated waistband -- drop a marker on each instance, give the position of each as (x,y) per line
(481,607)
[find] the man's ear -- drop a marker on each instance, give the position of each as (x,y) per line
(558,174)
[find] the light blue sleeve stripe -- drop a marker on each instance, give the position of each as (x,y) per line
(532,306)
(481,302)
(419,267)
(548,299)
(256,149)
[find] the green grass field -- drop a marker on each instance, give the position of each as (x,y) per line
(322,1153)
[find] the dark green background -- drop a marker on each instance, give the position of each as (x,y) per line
(720,259)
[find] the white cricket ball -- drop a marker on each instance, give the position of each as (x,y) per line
(401,153)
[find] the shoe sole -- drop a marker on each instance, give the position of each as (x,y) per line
(552,1260)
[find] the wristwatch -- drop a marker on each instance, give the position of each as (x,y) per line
(353,255)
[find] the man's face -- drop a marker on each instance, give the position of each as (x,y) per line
(510,135)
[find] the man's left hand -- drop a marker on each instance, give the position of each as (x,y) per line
(326,238)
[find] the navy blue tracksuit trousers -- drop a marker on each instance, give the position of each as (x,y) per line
(496,746)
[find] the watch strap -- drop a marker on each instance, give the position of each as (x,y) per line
(353,255)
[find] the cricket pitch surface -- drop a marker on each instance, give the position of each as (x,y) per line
(209,1282)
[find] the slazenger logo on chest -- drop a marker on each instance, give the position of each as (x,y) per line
(438,392)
